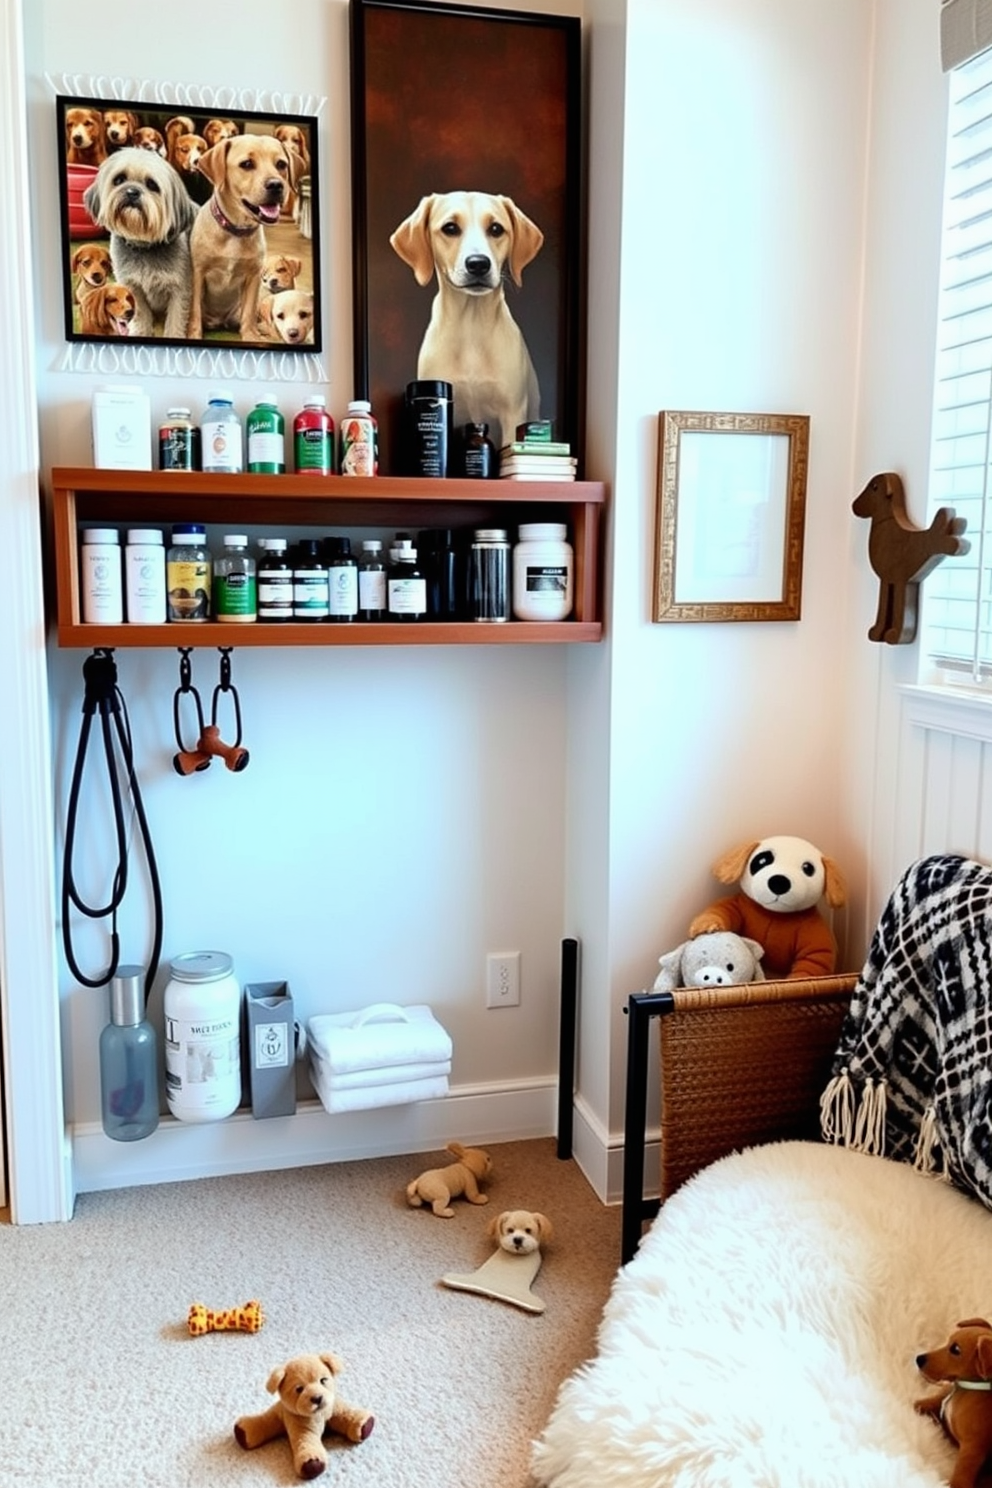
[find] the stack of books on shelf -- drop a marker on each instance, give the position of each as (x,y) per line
(535,456)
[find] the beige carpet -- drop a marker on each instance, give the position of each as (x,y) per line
(105,1388)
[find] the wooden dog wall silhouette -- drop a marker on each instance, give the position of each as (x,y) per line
(902,555)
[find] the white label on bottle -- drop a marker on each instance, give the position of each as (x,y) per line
(202,1061)
(544,578)
(372,589)
(265,449)
(102,590)
(343,590)
(145,566)
(407,596)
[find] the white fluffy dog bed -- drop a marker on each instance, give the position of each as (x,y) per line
(764,1334)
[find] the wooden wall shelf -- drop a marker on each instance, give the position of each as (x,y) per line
(319,505)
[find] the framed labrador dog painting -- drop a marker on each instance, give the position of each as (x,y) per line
(465,180)
(188,228)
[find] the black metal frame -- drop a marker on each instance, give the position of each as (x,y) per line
(642,1008)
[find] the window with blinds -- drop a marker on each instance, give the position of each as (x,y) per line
(957,633)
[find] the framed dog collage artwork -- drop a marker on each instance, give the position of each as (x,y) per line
(466,214)
(183,227)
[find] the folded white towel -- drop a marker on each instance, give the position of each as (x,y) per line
(392,1074)
(377,1037)
(365,1097)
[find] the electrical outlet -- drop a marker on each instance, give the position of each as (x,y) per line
(503,979)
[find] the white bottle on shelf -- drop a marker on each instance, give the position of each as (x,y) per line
(101,584)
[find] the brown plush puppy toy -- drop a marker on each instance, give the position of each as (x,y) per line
(306,1408)
(964,1406)
(438,1186)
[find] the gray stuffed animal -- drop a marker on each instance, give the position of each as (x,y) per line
(719,958)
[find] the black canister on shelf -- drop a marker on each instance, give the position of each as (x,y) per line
(310,591)
(489,575)
(428,411)
(440,564)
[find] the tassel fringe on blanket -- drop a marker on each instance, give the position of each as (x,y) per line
(912,1077)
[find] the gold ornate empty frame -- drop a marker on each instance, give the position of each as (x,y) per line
(730,516)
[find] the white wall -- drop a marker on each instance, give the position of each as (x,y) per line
(743,183)
(403,811)
(730,201)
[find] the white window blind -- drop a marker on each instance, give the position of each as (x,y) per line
(957,633)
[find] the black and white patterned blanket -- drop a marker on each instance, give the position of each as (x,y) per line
(912,1075)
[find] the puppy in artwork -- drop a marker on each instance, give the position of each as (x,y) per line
(279,272)
(107,311)
(470,241)
(90,263)
(120,125)
(85,137)
(287,314)
(147,138)
(187,150)
(174,127)
(216,130)
(250,174)
(294,138)
(142,203)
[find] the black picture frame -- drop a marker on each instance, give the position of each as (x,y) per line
(92,132)
(503,114)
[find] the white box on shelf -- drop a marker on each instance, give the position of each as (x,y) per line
(122,428)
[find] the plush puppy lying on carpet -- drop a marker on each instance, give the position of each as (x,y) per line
(438,1186)
(307,1407)
(964,1408)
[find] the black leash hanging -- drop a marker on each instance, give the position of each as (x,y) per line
(102,695)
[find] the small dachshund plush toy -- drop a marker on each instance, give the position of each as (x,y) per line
(964,1407)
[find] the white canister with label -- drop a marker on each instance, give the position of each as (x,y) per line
(101,583)
(542,572)
(202,1007)
(144,572)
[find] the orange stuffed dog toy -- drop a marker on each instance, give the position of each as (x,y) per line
(782,880)
(964,1407)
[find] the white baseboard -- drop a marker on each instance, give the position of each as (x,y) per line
(180,1150)
(600,1155)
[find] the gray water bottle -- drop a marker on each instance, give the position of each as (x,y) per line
(128,1062)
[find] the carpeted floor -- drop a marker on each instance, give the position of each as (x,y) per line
(106,1388)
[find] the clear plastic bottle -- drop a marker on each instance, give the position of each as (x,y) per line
(222,437)
(342,580)
(188,572)
(128,1062)
(275,580)
(234,589)
(310,592)
(372,582)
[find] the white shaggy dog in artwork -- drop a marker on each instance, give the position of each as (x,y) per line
(765,1333)
(140,200)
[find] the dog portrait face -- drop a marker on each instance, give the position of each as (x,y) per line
(147,138)
(289,315)
(91,264)
(187,150)
(120,126)
(279,272)
(519,1231)
(139,197)
(107,311)
(85,136)
(216,130)
(469,238)
(133,215)
(251,175)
